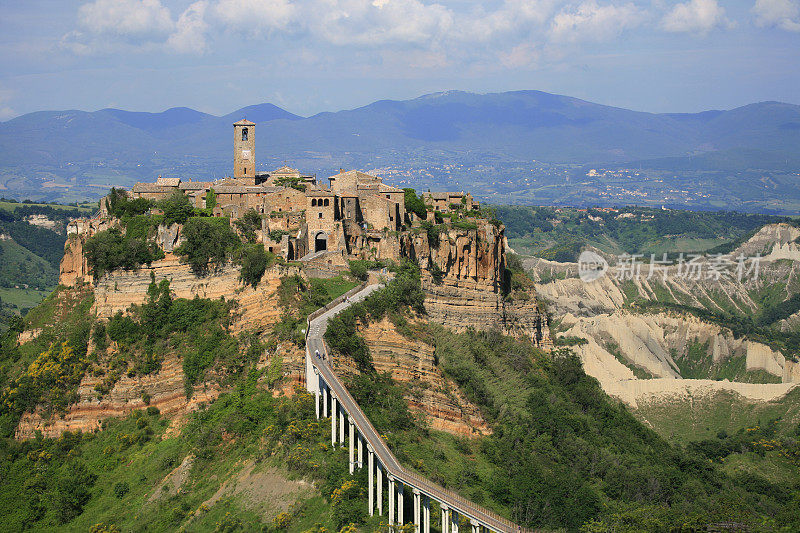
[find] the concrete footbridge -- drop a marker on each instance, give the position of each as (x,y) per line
(348,422)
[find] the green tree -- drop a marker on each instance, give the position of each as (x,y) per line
(209,242)
(177,209)
(415,204)
(211,199)
(254,261)
(248,224)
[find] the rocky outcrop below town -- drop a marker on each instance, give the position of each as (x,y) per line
(464,279)
(256,308)
(411,361)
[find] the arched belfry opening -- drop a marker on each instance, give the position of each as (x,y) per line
(321,242)
(244,134)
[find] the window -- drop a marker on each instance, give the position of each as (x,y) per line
(244,134)
(313,203)
(326,202)
(245,170)
(320,215)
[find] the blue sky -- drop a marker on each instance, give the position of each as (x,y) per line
(311,56)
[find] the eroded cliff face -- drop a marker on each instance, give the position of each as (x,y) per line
(621,337)
(256,308)
(165,389)
(411,361)
(472,289)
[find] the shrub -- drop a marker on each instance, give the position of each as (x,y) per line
(121,489)
(254,261)
(282,521)
(358,269)
(110,250)
(415,204)
(119,204)
(211,199)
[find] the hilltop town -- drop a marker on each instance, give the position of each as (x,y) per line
(354,216)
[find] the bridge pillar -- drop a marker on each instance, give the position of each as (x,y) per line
(334,414)
(391,502)
(417,511)
(360,442)
(352,437)
(453,521)
(379,472)
(370,480)
(325,394)
(426,515)
(400,494)
(476,527)
(445,518)
(341,425)
(316,402)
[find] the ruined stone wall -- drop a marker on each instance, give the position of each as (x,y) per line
(288,200)
(375,212)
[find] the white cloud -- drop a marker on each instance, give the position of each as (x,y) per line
(373,22)
(695,16)
(256,16)
(189,36)
(125,17)
(107,26)
(784,14)
(513,16)
(593,22)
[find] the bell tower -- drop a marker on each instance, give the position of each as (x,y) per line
(244,150)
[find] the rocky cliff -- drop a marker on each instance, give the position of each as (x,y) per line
(165,389)
(411,361)
(465,281)
(256,308)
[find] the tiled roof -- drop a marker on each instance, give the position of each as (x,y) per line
(168,182)
(194,185)
(244,122)
(389,188)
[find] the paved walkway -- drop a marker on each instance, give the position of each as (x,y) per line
(314,343)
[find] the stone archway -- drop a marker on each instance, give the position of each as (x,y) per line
(320,241)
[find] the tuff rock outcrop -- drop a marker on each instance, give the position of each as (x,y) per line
(411,361)
(464,279)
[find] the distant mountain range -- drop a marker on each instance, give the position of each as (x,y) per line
(111,145)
